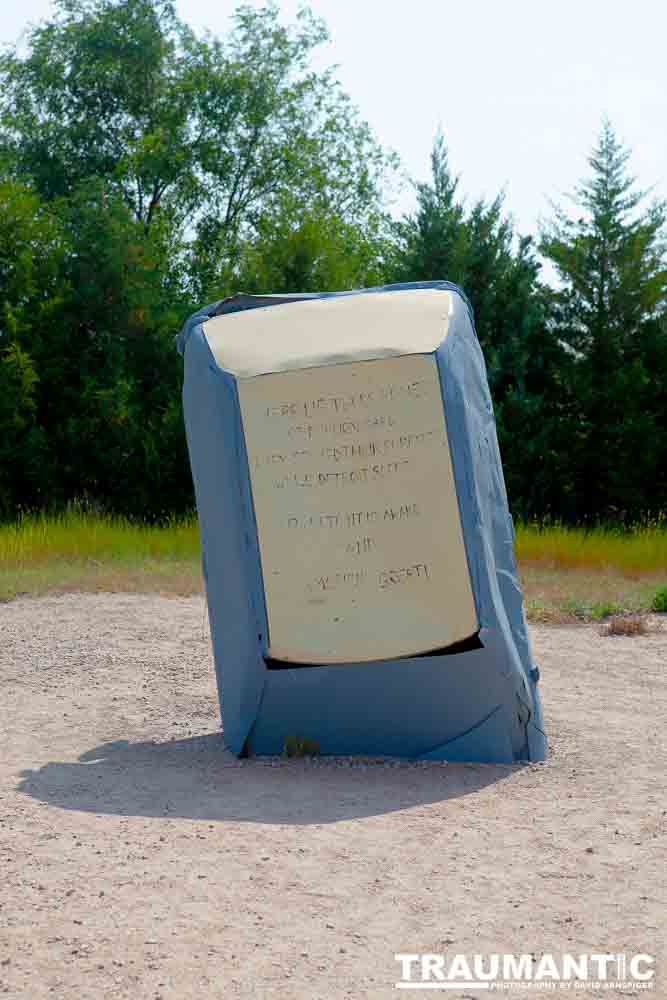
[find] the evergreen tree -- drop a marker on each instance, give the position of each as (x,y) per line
(433,239)
(479,250)
(611,311)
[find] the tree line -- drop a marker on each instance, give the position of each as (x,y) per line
(146,171)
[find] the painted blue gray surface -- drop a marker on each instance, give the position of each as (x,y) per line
(481,705)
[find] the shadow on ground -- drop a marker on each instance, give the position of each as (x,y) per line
(199,779)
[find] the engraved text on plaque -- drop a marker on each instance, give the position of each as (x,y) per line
(358,521)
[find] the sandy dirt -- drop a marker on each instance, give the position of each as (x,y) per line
(140,859)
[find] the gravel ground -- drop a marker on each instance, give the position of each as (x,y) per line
(140,859)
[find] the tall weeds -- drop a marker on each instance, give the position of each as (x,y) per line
(77,537)
(39,539)
(643,550)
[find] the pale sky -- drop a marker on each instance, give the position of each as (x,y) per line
(519,86)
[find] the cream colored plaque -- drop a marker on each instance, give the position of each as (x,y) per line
(359,529)
(330,331)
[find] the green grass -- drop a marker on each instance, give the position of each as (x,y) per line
(35,540)
(567,574)
(641,551)
(570,595)
(75,551)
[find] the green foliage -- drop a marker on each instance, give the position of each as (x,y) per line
(610,311)
(660,600)
(478,249)
(290,138)
(31,251)
(21,441)
(604,609)
(145,170)
(297,250)
(212,133)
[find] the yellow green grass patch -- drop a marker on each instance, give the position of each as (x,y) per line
(643,550)
(567,574)
(74,551)
(557,595)
(73,537)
